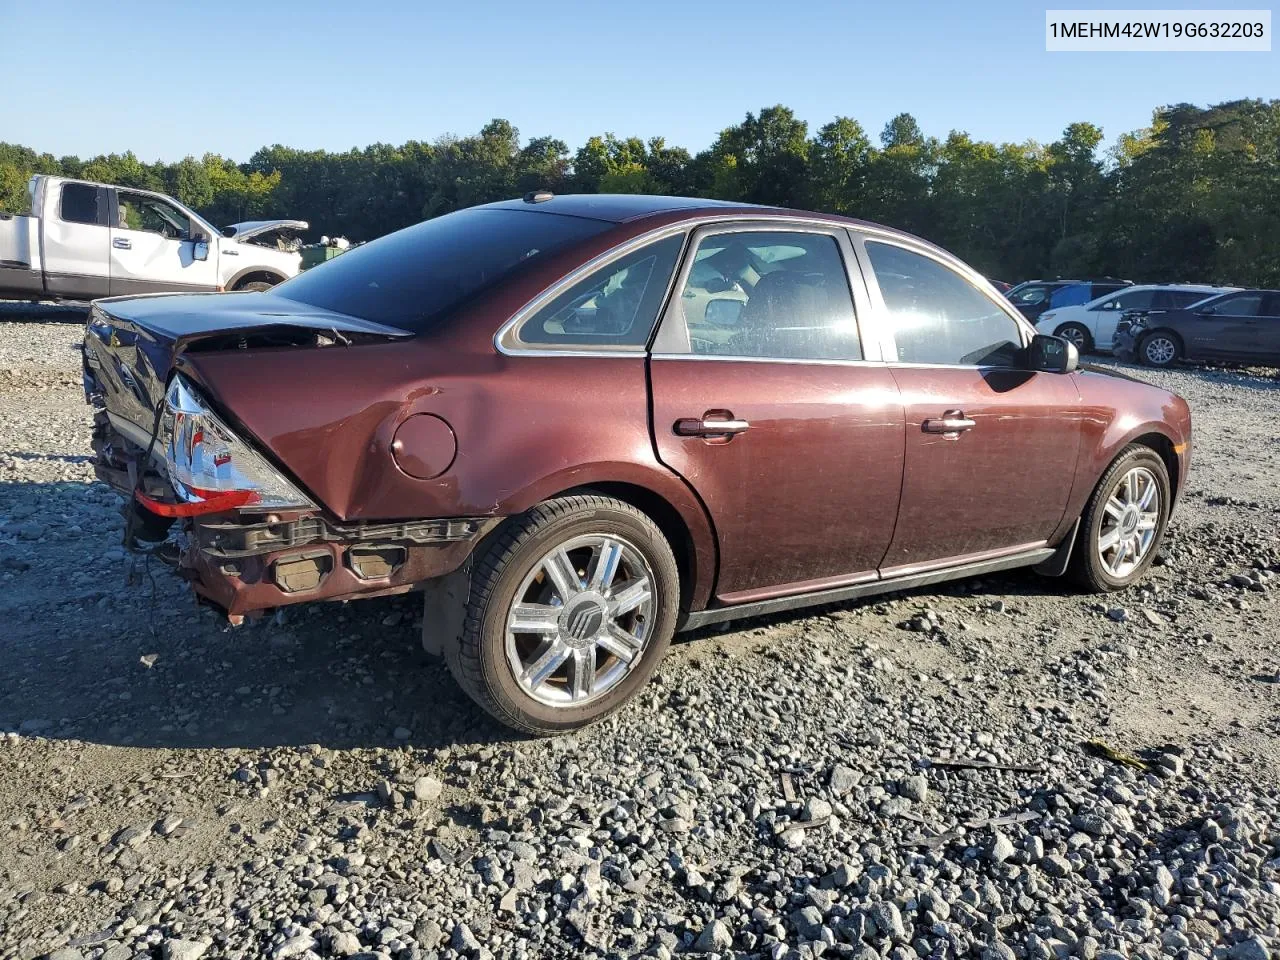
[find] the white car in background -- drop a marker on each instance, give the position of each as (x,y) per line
(1091,326)
(85,240)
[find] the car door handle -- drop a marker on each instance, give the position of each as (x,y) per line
(122,243)
(710,426)
(953,422)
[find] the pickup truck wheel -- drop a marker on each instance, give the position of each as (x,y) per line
(257,286)
(1123,522)
(569,611)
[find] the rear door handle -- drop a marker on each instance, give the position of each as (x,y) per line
(122,243)
(951,423)
(713,423)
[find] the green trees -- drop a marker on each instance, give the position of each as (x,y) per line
(1195,196)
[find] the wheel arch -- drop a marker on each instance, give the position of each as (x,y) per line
(255,275)
(1164,448)
(669,521)
(1098,455)
(1083,325)
(663,498)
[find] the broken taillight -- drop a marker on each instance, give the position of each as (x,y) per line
(211,469)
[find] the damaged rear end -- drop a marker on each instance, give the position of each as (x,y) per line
(203,493)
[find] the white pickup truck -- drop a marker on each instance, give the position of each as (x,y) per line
(84,240)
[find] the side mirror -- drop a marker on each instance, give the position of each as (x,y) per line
(1052,354)
(201,249)
(724,311)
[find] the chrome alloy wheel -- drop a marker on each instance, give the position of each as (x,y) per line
(1160,351)
(1130,517)
(581,620)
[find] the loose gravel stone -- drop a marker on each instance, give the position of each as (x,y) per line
(183,949)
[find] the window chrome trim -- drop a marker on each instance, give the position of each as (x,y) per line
(507,340)
(791,360)
(512,346)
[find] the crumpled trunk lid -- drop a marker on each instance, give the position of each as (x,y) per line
(131,344)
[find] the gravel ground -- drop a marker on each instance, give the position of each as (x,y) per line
(314,785)
(46,311)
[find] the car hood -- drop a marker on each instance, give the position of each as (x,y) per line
(252,228)
(1094,369)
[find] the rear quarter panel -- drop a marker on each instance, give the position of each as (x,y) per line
(527,428)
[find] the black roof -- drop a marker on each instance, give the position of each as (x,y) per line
(618,207)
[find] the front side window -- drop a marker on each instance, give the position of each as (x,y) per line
(616,305)
(151,215)
(770,294)
(937,316)
(83,203)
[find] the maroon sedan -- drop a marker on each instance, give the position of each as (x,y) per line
(583,423)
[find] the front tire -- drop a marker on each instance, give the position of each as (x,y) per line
(1123,523)
(569,612)
(1160,349)
(256,287)
(1078,335)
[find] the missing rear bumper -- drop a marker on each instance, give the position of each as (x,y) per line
(256,564)
(328,571)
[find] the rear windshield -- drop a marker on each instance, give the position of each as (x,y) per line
(409,278)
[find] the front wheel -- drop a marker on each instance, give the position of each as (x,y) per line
(1123,523)
(569,611)
(1159,349)
(256,287)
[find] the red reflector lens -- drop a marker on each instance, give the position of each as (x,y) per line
(214,503)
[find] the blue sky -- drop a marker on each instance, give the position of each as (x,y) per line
(168,79)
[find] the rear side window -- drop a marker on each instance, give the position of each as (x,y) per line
(82,203)
(773,295)
(938,316)
(409,278)
(1241,305)
(616,305)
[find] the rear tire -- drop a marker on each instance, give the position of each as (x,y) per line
(1160,348)
(583,655)
(1078,335)
(1123,523)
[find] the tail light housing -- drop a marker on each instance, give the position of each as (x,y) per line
(211,469)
